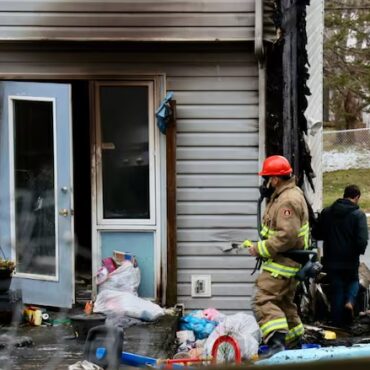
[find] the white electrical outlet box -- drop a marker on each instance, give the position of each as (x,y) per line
(201,286)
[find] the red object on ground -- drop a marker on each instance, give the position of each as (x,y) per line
(223,339)
(232,342)
(89,307)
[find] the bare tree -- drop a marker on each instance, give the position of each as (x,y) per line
(347,61)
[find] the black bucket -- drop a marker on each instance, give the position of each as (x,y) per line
(104,346)
(5,279)
(81,324)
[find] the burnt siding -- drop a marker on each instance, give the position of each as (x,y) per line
(145,20)
(217,152)
(269,29)
(314,112)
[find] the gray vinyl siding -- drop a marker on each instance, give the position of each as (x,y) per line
(217,152)
(149,20)
(314,112)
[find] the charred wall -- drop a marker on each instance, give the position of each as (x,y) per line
(287,90)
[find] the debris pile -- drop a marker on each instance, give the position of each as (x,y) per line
(202,331)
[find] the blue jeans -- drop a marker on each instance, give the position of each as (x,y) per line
(344,287)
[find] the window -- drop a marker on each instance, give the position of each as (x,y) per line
(125,136)
(34,190)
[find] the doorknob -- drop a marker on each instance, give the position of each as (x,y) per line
(64,212)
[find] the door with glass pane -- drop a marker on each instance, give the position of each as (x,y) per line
(36,182)
(126,197)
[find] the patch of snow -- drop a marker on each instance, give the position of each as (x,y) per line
(335,160)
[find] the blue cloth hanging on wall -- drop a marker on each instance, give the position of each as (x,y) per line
(164,112)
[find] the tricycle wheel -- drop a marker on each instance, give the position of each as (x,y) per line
(226,350)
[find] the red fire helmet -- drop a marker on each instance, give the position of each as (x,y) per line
(276,165)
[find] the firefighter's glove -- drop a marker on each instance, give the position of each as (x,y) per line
(251,248)
(247,244)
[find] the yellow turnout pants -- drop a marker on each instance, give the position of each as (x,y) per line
(274,307)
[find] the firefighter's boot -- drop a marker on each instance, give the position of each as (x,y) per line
(276,343)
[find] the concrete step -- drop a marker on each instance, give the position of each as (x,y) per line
(154,340)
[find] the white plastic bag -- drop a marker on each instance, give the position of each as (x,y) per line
(84,365)
(128,304)
(125,278)
(243,328)
(101,275)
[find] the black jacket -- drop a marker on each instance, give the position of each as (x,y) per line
(343,228)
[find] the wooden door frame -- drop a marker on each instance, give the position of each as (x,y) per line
(171,287)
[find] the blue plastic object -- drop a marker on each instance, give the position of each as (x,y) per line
(101,352)
(263,349)
(132,359)
(201,327)
(163,113)
(296,356)
(310,345)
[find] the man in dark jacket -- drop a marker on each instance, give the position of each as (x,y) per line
(343,228)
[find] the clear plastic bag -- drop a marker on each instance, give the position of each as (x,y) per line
(101,275)
(84,365)
(125,278)
(242,327)
(128,304)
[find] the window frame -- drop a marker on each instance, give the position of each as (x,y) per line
(152,153)
(11,101)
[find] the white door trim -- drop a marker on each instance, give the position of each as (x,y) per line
(157,223)
(152,156)
(11,99)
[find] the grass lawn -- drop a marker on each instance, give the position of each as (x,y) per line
(335,182)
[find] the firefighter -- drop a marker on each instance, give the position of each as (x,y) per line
(284,227)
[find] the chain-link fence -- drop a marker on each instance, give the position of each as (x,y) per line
(346,149)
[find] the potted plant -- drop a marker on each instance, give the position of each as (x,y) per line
(6,271)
